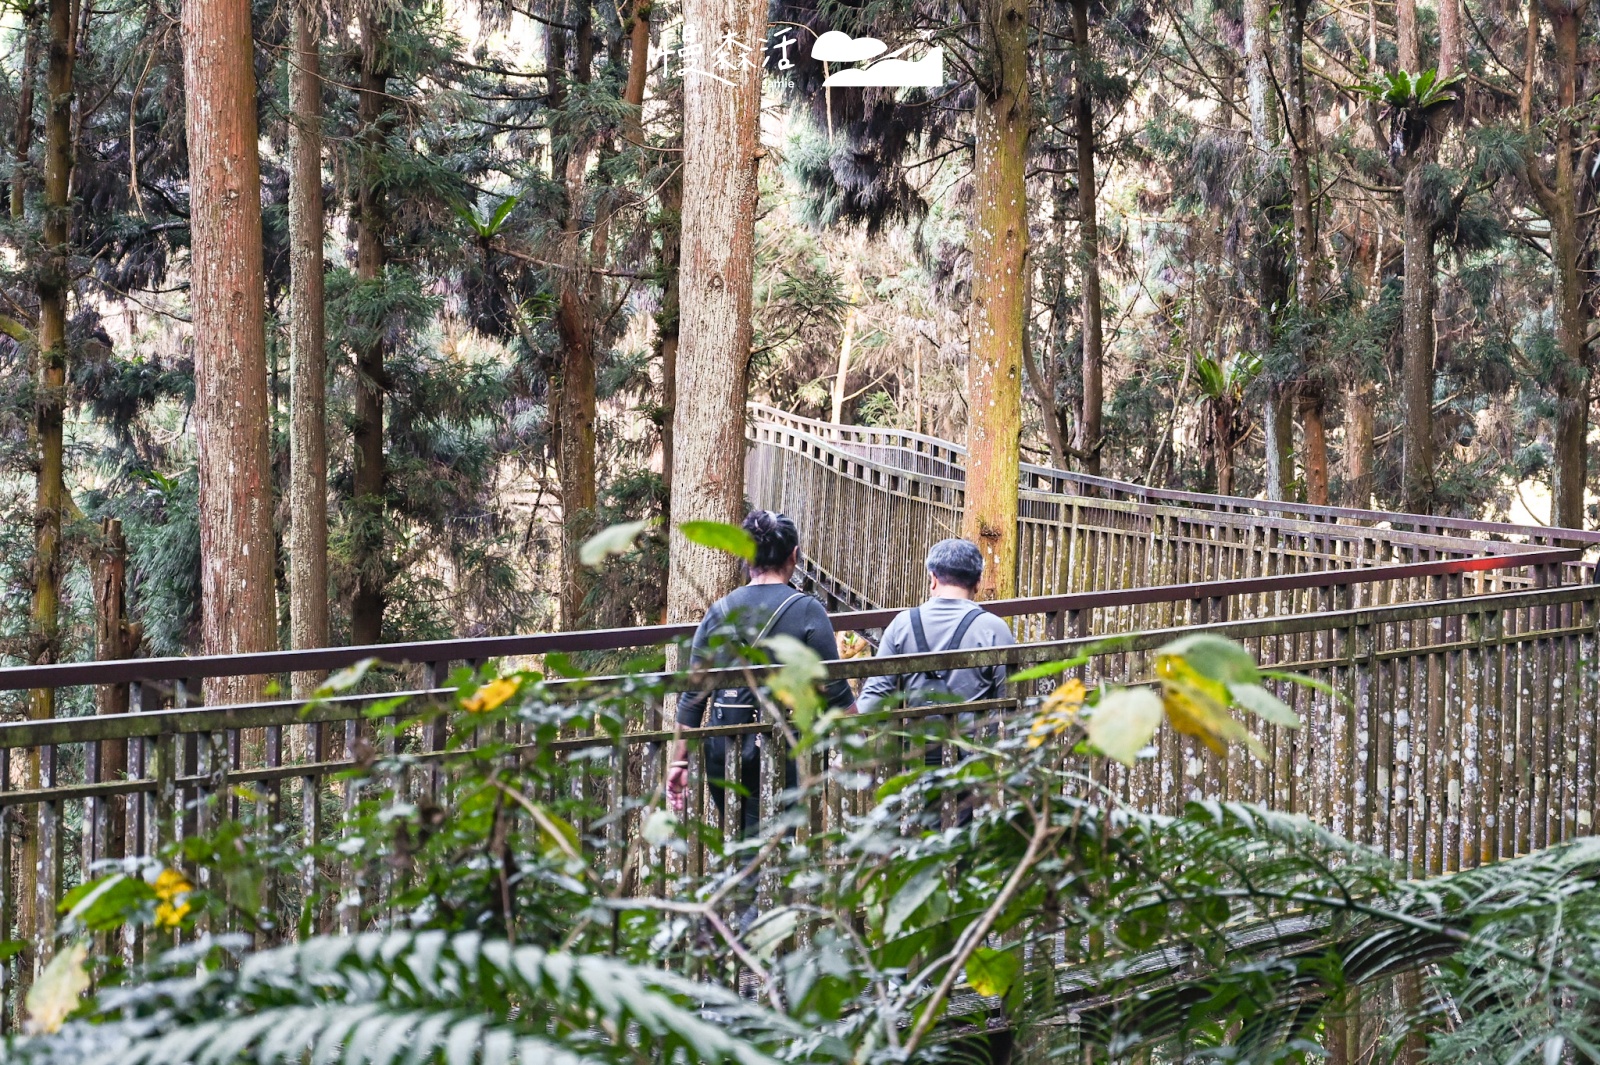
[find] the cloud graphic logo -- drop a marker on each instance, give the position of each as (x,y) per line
(888,72)
(836,47)
(927,72)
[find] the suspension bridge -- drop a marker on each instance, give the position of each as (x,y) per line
(1456,725)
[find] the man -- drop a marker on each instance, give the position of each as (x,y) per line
(948,621)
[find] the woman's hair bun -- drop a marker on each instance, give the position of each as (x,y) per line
(776,538)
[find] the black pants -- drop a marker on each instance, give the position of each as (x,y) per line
(749,779)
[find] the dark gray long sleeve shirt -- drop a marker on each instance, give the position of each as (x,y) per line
(739,616)
(940,616)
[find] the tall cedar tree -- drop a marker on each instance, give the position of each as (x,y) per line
(308,358)
(237,551)
(721,165)
(369,512)
(1002,125)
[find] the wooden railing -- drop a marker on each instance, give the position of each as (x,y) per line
(1462,654)
(1462,732)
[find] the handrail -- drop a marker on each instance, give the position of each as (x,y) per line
(839,433)
(123,671)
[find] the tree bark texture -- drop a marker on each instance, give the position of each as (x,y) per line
(1360,405)
(578,327)
(1091,419)
(1417,340)
(1559,198)
(237,591)
(369,482)
(721,164)
(1303,132)
(50,498)
(308,359)
(53,285)
(668,226)
(1267,249)
(115,638)
(998,320)
(24,130)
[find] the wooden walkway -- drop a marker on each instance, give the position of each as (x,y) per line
(1462,653)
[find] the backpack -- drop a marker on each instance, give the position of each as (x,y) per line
(737,706)
(933,686)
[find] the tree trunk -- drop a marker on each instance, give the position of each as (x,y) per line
(1416,333)
(721,165)
(668,226)
(1359,405)
(24,142)
(1272,272)
(638,67)
(237,550)
(999,292)
(49,419)
(846,344)
(308,359)
(575,325)
(1091,418)
(1301,145)
(372,110)
(115,638)
(1560,198)
(577,329)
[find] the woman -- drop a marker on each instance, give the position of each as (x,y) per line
(767,606)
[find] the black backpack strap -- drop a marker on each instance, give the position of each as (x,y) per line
(777,614)
(917,632)
(961,629)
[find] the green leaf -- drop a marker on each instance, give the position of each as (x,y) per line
(106,903)
(612,540)
(345,679)
(1044,669)
(1263,704)
(1123,722)
(720,536)
(1142,928)
(898,783)
(507,205)
(912,894)
(795,685)
(767,934)
(992,972)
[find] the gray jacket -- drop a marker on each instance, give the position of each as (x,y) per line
(940,617)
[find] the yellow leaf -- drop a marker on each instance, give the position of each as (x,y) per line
(170,884)
(57,991)
(491,695)
(172,888)
(1058,712)
(1195,704)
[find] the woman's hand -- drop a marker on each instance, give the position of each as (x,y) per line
(678,785)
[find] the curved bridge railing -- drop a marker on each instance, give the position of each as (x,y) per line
(871,501)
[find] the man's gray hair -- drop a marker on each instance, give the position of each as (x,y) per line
(956,562)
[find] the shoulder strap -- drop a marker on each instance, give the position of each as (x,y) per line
(917,632)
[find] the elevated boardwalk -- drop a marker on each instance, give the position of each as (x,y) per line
(1463,655)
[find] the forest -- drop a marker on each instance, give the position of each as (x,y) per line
(347,323)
